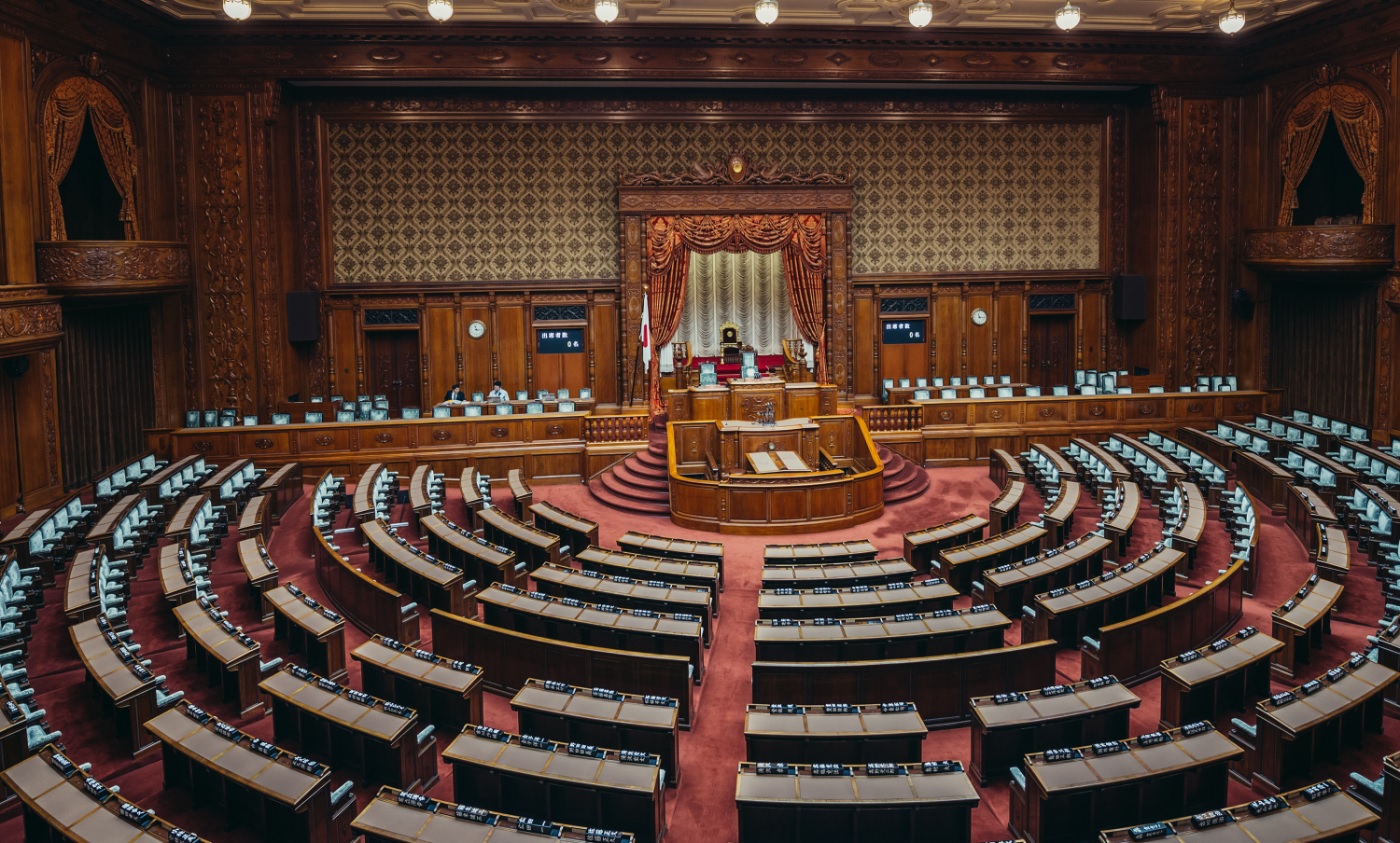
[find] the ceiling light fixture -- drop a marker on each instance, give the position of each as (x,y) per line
(1068,16)
(766,11)
(920,14)
(1232,21)
(440,10)
(605,10)
(238,9)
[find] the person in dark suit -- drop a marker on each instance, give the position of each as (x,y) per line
(455,393)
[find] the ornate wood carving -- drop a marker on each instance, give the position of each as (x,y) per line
(1385,350)
(266,280)
(48,371)
(1320,248)
(1203,222)
(112,267)
(222,205)
(29,320)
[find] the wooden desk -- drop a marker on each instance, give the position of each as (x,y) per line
(1297,731)
(1389,829)
(678,571)
(1134,648)
(510,659)
(1344,476)
(1173,469)
(229,658)
(1059,468)
(597,625)
(889,637)
(354,730)
(1005,509)
(1003,465)
(672,548)
(1186,529)
(309,628)
(1301,622)
(1119,528)
(939,686)
(1010,585)
(520,490)
(916,802)
(364,498)
(1332,552)
(920,546)
(1009,725)
(372,605)
(446,692)
(1072,799)
(282,800)
(839,574)
(574,532)
(694,602)
(482,560)
(741,398)
(472,499)
(1068,614)
(601,717)
(1097,453)
(420,496)
(531,546)
(212,485)
(59,806)
(837,733)
(1307,510)
(82,598)
(1214,448)
(1388,651)
(575,784)
(260,570)
(1220,678)
(1059,518)
(1334,818)
(106,526)
(281,488)
(128,689)
(387,820)
(176,575)
(179,527)
(1268,480)
(424,577)
(150,487)
(961,566)
(256,517)
(856,601)
(860,550)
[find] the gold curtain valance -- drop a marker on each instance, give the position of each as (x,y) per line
(1359,125)
(70,104)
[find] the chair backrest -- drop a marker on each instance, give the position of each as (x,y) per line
(988,380)
(379,414)
(904,383)
(563,392)
(921,395)
(921,381)
(1004,392)
(1032,392)
(504,409)
(947,393)
(471,410)
(938,382)
(191,418)
(522,395)
(336,399)
(1005,379)
(585,393)
(478,397)
(250,421)
(534,407)
(411,413)
(281,418)
(444,412)
(1088,389)
(977,392)
(314,417)
(955,381)
(345,415)
(887,383)
(1059,390)
(1156,389)
(317,399)
(566,406)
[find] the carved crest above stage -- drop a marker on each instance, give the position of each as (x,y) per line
(735,188)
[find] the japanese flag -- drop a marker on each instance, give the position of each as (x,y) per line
(646,331)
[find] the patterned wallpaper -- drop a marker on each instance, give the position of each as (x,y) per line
(460,201)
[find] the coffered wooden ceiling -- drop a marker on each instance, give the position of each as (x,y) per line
(1104,16)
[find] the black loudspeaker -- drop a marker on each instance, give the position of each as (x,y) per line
(303,317)
(1242,303)
(1130,298)
(15,367)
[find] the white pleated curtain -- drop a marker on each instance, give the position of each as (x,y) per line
(745,288)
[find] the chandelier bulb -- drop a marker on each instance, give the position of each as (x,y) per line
(238,9)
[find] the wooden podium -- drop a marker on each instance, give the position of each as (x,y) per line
(749,399)
(714,484)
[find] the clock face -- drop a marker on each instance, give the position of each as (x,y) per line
(979,317)
(477,329)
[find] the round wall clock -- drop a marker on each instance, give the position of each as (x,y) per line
(477,329)
(979,317)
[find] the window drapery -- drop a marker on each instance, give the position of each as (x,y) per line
(1358,125)
(801,238)
(743,287)
(70,104)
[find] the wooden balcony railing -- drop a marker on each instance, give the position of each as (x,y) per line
(882,418)
(599,430)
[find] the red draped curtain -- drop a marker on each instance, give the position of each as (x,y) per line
(800,237)
(1359,125)
(65,111)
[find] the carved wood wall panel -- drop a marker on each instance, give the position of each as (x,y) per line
(112,267)
(222,214)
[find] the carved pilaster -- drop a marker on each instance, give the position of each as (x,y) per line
(1202,223)
(266,281)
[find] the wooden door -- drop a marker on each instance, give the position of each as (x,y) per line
(392,367)
(1050,350)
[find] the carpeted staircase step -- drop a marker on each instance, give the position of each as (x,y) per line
(903,480)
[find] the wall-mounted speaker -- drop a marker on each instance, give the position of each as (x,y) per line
(15,367)
(1242,304)
(303,317)
(1130,298)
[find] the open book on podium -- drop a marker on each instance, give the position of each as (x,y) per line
(775,462)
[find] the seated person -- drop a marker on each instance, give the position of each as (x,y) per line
(497,393)
(455,393)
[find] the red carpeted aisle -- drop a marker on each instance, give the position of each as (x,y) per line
(702,808)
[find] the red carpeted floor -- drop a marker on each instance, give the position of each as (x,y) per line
(702,809)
